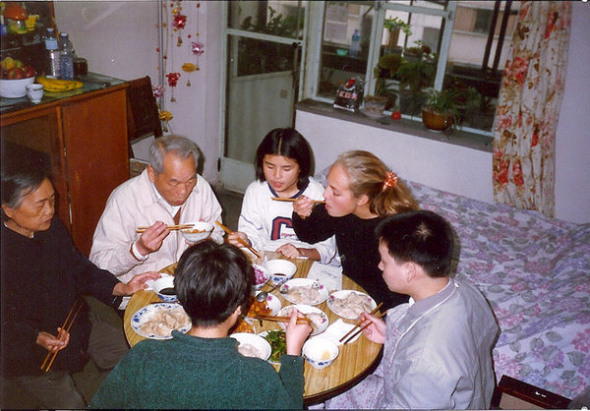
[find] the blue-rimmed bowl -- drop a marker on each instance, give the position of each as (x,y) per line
(163,283)
(320,352)
(280,270)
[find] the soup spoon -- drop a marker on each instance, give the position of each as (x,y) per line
(261,296)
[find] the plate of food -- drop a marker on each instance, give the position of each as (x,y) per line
(244,325)
(270,306)
(252,345)
(319,319)
(304,291)
(349,304)
(156,321)
(278,344)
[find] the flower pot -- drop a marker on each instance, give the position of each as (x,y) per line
(375,105)
(435,121)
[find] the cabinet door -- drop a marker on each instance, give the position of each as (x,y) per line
(97,159)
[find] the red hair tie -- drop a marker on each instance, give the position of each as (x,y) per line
(390,180)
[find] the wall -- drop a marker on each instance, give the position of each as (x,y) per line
(121,42)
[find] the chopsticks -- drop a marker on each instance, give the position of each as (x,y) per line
(292,200)
(358,325)
(281,319)
(170,227)
(241,240)
(65,328)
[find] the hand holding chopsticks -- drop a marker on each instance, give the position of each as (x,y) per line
(281,319)
(358,328)
(170,227)
(65,329)
(241,240)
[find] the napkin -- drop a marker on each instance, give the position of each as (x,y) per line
(338,330)
(329,276)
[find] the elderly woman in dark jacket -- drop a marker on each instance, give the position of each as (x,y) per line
(43,274)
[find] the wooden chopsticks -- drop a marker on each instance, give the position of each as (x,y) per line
(281,319)
(170,227)
(241,240)
(346,337)
(65,328)
(292,200)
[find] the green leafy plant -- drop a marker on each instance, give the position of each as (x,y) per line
(395,23)
(415,76)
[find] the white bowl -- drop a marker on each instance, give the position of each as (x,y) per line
(260,276)
(199,232)
(320,352)
(15,88)
(252,345)
(165,281)
(279,269)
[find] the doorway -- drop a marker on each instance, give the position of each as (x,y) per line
(263,50)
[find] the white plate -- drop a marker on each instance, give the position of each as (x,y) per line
(256,341)
(356,308)
(320,320)
(272,302)
(322,291)
(148,312)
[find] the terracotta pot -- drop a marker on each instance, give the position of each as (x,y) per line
(436,121)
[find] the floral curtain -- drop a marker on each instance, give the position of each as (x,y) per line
(528,107)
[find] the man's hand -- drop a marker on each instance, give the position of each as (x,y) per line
(151,239)
(376,329)
(52,343)
(296,334)
(234,237)
(289,251)
(135,284)
(303,206)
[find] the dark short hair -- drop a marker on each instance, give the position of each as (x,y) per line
(286,142)
(422,237)
(211,281)
(21,176)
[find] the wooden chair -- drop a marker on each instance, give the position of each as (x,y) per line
(143,117)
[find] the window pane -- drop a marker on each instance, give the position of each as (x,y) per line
(340,61)
(278,18)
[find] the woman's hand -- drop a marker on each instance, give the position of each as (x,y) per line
(52,343)
(234,236)
(289,251)
(296,334)
(376,329)
(303,206)
(135,284)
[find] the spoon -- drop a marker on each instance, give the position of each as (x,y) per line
(264,294)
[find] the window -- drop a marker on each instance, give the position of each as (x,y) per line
(410,47)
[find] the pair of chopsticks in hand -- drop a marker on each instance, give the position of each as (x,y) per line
(170,227)
(241,240)
(292,200)
(357,329)
(65,328)
(281,319)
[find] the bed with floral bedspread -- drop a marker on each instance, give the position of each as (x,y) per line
(535,273)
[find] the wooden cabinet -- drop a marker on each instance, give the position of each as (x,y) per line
(84,136)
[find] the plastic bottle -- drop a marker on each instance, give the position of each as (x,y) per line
(53,67)
(66,57)
(355,44)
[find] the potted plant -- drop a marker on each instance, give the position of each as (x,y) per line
(414,77)
(394,25)
(446,108)
(385,73)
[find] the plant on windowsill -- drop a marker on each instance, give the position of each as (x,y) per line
(394,26)
(385,73)
(414,77)
(446,108)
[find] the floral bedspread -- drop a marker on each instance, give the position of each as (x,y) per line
(535,273)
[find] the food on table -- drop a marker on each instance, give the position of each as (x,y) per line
(259,275)
(351,305)
(13,69)
(248,350)
(195,231)
(163,320)
(258,308)
(278,344)
(56,85)
(304,294)
(244,327)
(317,319)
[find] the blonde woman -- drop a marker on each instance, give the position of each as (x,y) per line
(361,191)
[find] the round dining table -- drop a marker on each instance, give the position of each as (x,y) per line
(355,360)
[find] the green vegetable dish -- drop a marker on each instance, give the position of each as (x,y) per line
(278,343)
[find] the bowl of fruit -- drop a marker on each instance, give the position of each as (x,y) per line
(15,77)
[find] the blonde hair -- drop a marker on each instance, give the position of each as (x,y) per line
(367,175)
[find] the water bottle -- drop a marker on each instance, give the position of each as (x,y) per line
(355,44)
(53,66)
(66,57)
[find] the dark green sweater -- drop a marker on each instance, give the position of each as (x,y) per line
(192,372)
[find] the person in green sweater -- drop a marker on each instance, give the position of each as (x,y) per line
(203,368)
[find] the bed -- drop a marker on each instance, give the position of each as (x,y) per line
(535,273)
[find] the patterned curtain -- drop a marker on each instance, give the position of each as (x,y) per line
(528,107)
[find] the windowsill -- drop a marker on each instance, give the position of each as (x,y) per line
(404,126)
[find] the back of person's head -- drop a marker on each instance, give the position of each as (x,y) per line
(20,177)
(369,175)
(180,146)
(421,237)
(286,142)
(211,281)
